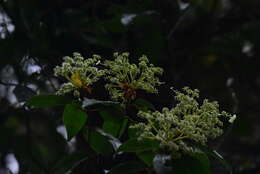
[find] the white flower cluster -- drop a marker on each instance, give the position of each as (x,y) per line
(187,121)
(125,78)
(81,73)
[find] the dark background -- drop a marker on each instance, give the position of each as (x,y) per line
(211,45)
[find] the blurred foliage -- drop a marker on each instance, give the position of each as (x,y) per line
(211,45)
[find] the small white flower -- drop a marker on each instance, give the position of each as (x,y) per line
(98,62)
(232,119)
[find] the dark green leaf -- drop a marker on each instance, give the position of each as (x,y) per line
(202,159)
(69,162)
(221,160)
(130,167)
(48,101)
(143,105)
(123,127)
(113,120)
(198,163)
(133,145)
(111,127)
(98,142)
(132,132)
(146,156)
(74,119)
(216,156)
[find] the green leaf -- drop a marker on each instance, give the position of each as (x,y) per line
(132,132)
(198,163)
(221,160)
(216,156)
(66,164)
(98,142)
(74,119)
(130,167)
(123,127)
(133,145)
(47,100)
(202,158)
(111,127)
(113,120)
(146,156)
(144,105)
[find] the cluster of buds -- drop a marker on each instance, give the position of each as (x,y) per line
(80,73)
(123,78)
(187,121)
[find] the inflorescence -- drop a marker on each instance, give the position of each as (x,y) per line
(187,121)
(176,128)
(125,78)
(81,73)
